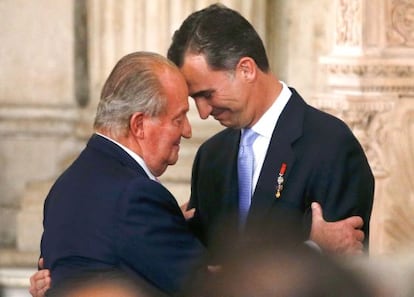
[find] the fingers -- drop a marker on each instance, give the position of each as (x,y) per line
(356,249)
(188,214)
(351,240)
(317,214)
(39,283)
(359,235)
(38,292)
(340,237)
(42,292)
(355,221)
(41,263)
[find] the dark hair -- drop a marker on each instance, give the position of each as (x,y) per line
(222,35)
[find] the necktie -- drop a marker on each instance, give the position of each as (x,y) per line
(245,165)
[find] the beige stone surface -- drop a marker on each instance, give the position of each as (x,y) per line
(37,99)
(36,54)
(365,76)
(30,217)
(369,84)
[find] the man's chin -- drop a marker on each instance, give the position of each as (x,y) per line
(173,161)
(223,122)
(229,124)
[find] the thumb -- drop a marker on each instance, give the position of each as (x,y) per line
(41,263)
(317,214)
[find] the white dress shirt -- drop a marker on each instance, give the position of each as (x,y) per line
(265,127)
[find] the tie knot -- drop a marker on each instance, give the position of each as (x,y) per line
(248,137)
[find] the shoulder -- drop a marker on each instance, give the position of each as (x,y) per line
(319,129)
(144,192)
(326,125)
(224,138)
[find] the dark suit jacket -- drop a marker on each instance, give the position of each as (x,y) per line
(104,211)
(325,163)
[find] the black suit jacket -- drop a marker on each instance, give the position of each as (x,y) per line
(325,163)
(104,211)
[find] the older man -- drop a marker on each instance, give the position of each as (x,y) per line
(108,209)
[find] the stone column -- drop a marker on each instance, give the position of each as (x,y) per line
(370,85)
(38,102)
(298,33)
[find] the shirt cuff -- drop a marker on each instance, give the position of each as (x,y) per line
(313,245)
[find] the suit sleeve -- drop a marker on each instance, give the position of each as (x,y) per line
(154,238)
(344,183)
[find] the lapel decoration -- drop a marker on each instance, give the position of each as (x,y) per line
(280,180)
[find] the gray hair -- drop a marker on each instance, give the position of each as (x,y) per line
(133,86)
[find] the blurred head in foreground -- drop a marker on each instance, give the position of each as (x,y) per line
(273,272)
(103,283)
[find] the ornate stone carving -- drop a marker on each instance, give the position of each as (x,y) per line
(372,70)
(348,26)
(399,190)
(385,127)
(370,75)
(365,118)
(400,31)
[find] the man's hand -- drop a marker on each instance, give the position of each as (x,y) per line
(40,281)
(341,237)
(188,213)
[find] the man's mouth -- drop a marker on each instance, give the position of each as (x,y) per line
(217,113)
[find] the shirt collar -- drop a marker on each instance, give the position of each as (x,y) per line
(267,123)
(133,155)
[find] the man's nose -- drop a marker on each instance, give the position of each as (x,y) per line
(186,133)
(204,109)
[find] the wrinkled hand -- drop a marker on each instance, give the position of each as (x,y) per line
(341,237)
(40,281)
(188,214)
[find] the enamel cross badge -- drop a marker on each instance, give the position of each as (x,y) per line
(280,180)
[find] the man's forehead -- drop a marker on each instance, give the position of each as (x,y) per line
(195,84)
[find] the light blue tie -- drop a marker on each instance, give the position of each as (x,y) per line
(245,173)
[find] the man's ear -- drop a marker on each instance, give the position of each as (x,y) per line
(247,68)
(136,124)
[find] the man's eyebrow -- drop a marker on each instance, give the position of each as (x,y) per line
(201,93)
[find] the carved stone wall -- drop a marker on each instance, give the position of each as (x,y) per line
(398,195)
(348,23)
(400,23)
(370,75)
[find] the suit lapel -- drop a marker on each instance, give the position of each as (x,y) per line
(288,129)
(106,146)
(230,184)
